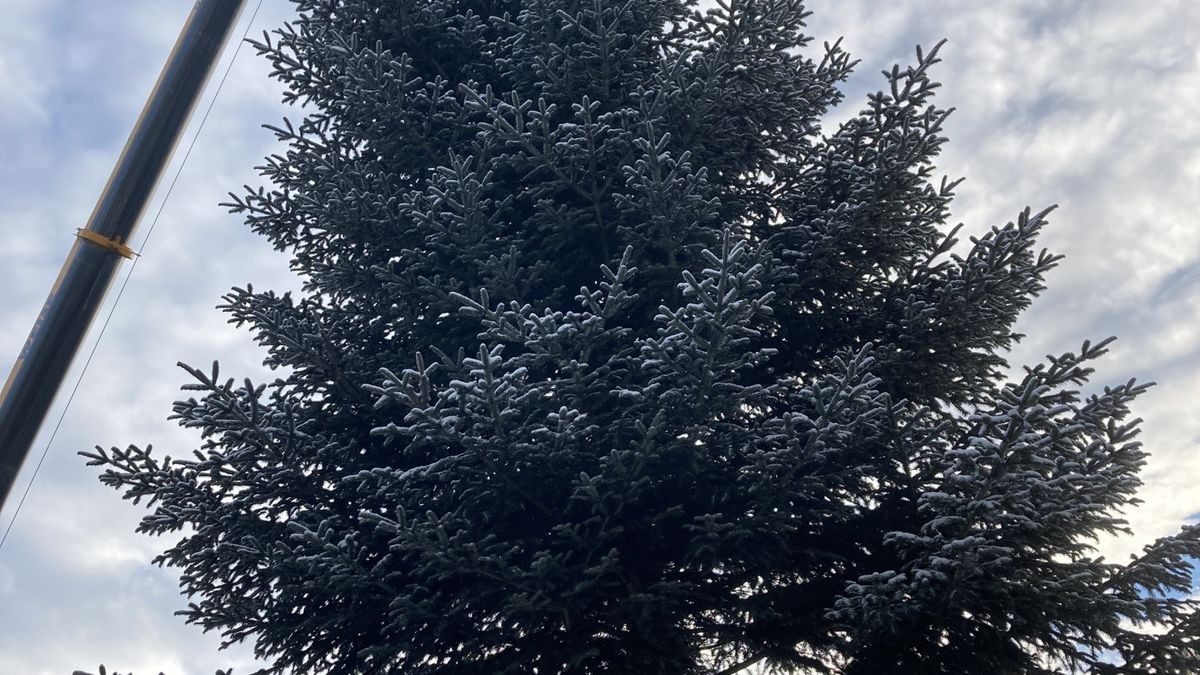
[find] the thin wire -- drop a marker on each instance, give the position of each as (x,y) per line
(120,292)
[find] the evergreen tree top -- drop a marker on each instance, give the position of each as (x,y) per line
(611,359)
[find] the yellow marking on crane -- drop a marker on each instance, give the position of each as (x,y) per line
(110,244)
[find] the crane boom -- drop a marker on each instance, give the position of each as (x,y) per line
(92,263)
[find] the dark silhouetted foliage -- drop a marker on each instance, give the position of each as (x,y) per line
(610,360)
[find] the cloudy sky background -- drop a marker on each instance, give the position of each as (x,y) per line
(1090,104)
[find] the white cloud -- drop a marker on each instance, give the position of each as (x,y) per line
(76,585)
(22,89)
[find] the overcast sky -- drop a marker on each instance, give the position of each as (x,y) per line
(1090,104)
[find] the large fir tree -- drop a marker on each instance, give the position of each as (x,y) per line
(610,360)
